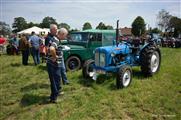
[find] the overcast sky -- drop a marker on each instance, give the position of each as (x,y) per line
(77,12)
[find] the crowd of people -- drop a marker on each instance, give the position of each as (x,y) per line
(27,44)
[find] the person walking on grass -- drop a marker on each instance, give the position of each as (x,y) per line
(35,44)
(24,48)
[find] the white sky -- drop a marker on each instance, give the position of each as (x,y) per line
(77,12)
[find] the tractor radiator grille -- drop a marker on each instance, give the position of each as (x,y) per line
(100,59)
(97,58)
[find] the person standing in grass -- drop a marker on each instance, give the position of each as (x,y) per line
(62,35)
(35,44)
(24,48)
(54,57)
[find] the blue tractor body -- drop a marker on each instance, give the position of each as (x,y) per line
(111,58)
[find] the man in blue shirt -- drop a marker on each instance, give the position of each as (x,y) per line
(35,44)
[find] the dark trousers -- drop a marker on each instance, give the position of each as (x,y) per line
(36,55)
(54,76)
(25,55)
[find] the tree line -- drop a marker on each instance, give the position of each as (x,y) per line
(165,21)
(21,24)
(167,24)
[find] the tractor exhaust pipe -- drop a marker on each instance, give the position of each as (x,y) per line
(117,33)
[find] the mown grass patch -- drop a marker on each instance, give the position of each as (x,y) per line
(25,90)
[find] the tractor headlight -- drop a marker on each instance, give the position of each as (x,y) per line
(113,54)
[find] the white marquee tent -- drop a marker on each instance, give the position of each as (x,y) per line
(37,30)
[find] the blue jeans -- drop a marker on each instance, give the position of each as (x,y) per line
(54,76)
(63,73)
(36,55)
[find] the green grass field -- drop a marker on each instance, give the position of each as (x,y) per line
(25,90)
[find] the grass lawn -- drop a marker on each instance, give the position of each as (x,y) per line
(24,92)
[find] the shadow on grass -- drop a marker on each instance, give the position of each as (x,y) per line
(85,82)
(113,86)
(88,82)
(42,67)
(15,64)
(29,99)
(34,86)
(138,74)
(31,64)
(108,78)
(20,64)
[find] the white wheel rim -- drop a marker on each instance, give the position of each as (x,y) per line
(155,62)
(126,78)
(91,74)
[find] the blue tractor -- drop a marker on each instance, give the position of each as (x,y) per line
(121,57)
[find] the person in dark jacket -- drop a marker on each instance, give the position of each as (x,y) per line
(24,48)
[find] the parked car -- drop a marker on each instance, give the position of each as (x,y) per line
(178,43)
(164,42)
(82,46)
(157,38)
(171,42)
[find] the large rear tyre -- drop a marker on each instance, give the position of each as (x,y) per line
(150,59)
(73,63)
(124,77)
(87,69)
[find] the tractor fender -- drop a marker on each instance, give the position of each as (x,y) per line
(147,44)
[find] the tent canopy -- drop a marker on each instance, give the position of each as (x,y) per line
(37,30)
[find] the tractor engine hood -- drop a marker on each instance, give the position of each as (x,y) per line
(120,49)
(107,53)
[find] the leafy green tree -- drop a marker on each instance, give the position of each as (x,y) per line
(109,27)
(47,21)
(155,30)
(64,25)
(19,24)
(31,24)
(138,26)
(175,26)
(4,29)
(86,26)
(101,26)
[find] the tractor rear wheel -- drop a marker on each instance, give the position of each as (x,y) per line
(150,59)
(87,69)
(124,77)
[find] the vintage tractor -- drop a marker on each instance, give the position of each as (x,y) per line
(120,58)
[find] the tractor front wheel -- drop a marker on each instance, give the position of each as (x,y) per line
(124,77)
(87,69)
